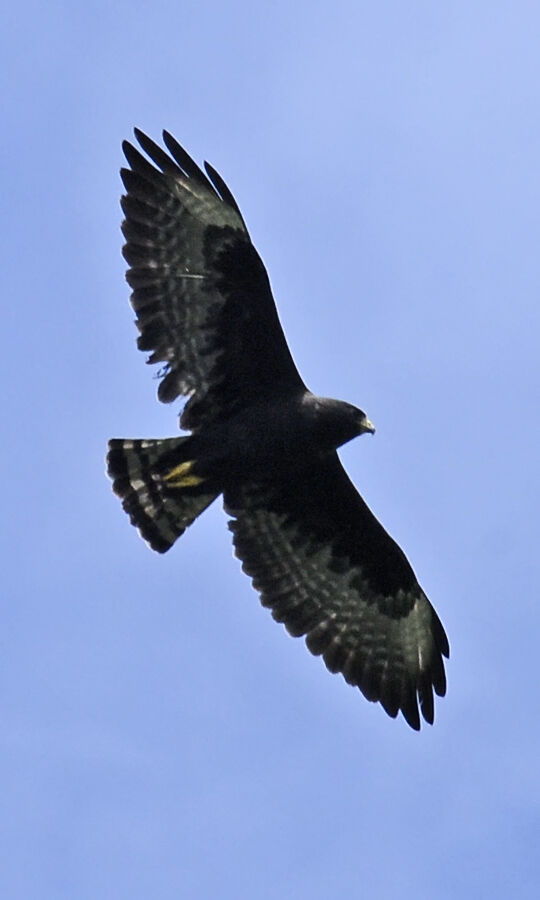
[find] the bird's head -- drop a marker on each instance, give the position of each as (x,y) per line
(341,422)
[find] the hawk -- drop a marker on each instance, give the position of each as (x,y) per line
(259,438)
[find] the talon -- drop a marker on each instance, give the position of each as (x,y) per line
(180,476)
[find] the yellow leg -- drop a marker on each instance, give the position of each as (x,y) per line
(180,476)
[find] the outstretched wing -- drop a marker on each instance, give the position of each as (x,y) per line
(328,570)
(200,290)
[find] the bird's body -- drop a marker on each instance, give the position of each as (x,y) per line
(260,438)
(303,430)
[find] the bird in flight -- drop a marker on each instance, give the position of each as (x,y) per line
(259,438)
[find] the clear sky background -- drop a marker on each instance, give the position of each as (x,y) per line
(160,735)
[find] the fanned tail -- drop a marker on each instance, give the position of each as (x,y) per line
(158,488)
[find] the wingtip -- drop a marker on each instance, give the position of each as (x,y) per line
(412,720)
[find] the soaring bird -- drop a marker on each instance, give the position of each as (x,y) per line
(259,438)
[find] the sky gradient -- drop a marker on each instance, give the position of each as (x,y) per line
(161,736)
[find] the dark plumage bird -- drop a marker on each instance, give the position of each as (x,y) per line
(319,559)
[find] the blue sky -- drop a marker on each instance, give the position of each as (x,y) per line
(161,736)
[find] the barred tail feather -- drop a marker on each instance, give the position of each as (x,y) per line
(159,511)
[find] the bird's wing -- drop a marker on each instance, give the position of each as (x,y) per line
(328,570)
(200,290)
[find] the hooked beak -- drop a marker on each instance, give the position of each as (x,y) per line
(366,425)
